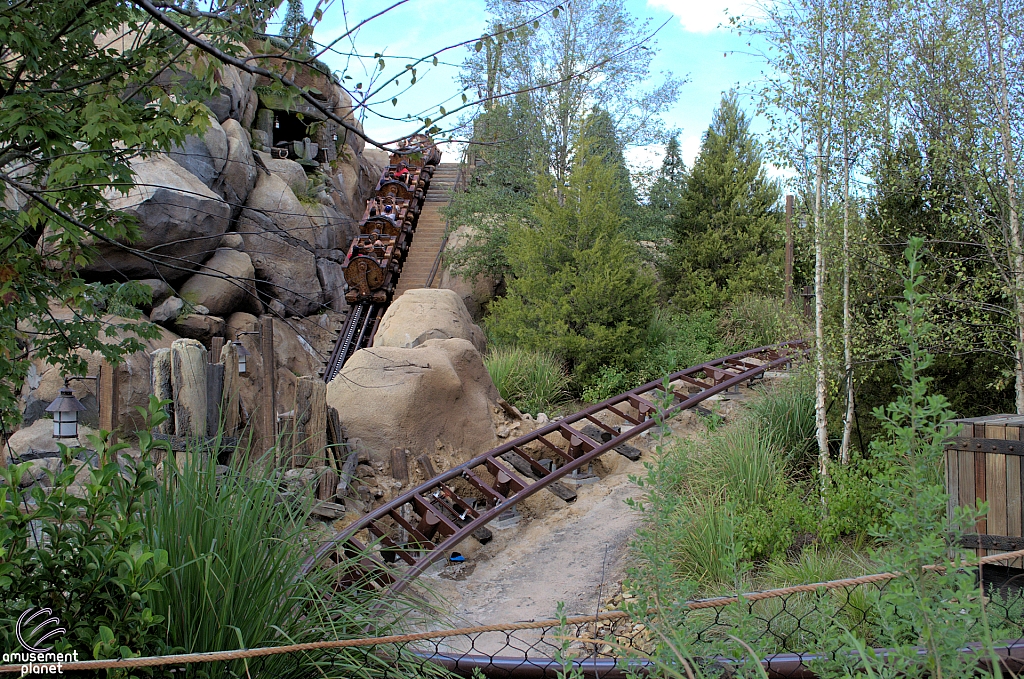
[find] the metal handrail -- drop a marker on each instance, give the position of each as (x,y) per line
(447,224)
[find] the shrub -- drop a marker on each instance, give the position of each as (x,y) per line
(785,417)
(84,554)
(532,381)
(757,320)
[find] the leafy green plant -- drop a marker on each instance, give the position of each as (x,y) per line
(533,381)
(756,320)
(785,417)
(235,549)
(82,552)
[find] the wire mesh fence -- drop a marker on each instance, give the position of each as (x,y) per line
(785,628)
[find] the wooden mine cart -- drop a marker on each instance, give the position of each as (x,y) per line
(984,463)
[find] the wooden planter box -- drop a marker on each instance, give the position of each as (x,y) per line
(984,463)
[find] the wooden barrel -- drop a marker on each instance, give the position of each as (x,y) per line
(984,463)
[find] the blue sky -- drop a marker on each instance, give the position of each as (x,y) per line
(690,45)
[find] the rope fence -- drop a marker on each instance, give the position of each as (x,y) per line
(786,620)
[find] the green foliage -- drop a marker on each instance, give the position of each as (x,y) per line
(532,381)
(85,555)
(500,190)
(785,415)
(726,236)
(755,320)
(294,20)
(73,117)
(577,288)
(235,552)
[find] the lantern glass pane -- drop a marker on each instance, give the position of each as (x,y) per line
(65,424)
(241,365)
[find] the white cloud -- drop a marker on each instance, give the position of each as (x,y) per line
(705,16)
(689,147)
(644,157)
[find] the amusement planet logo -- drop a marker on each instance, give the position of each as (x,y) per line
(36,627)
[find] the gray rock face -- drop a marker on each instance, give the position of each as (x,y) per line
(167,311)
(160,289)
(283,262)
(209,287)
(239,174)
(275,199)
(288,170)
(332,280)
(200,327)
(204,156)
(232,241)
(180,221)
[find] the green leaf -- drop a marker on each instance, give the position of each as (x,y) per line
(554,13)
(435,61)
(394,101)
(479,45)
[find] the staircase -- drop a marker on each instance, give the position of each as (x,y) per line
(429,232)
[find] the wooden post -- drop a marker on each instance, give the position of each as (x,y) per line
(310,422)
(216,345)
(162,389)
(188,380)
(108,399)
(400,465)
(214,393)
(789,250)
(808,296)
(229,392)
(428,468)
(268,405)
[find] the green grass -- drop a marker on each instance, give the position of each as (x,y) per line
(757,320)
(532,381)
(236,551)
(785,416)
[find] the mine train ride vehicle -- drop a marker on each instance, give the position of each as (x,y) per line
(375,256)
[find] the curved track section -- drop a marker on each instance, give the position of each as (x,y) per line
(423,525)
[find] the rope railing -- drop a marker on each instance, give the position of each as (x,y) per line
(505,646)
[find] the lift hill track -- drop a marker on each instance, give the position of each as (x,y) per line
(435,517)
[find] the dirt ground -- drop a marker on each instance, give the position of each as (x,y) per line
(576,553)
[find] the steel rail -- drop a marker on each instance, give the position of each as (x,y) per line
(441,511)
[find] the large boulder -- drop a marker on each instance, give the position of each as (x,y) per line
(203,156)
(332,280)
(223,284)
(285,264)
(238,177)
(438,393)
(475,293)
(288,170)
(423,314)
(178,216)
(274,198)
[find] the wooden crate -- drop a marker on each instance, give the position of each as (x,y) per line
(984,463)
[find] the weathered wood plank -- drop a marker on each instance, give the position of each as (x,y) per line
(310,423)
(188,381)
(952,483)
(214,393)
(400,465)
(995,484)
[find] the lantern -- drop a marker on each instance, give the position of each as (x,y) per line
(65,409)
(243,353)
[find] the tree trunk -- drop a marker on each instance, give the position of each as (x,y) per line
(844,450)
(1016,254)
(821,421)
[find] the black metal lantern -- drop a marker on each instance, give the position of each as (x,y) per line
(65,409)
(243,353)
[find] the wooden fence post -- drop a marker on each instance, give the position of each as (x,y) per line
(268,405)
(108,399)
(162,388)
(229,392)
(188,379)
(310,422)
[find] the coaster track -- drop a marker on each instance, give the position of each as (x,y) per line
(426,523)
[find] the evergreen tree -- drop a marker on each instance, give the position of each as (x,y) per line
(603,144)
(727,231)
(191,5)
(665,190)
(294,20)
(577,286)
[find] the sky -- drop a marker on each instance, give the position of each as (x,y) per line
(692,44)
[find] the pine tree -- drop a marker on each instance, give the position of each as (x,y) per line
(665,190)
(577,287)
(191,5)
(294,20)
(603,143)
(727,231)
